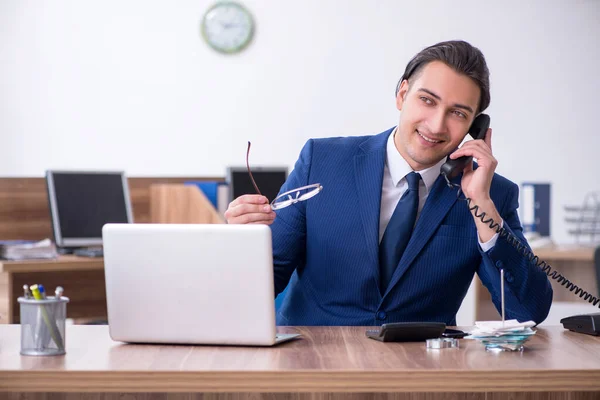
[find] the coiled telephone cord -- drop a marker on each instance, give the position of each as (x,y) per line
(524,250)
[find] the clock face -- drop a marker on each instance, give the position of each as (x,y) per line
(227,27)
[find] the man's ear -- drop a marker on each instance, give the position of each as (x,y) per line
(401,96)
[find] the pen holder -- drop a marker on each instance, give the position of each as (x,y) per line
(43,326)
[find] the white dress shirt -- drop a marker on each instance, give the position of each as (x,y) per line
(394,186)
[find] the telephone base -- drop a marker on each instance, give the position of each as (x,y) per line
(585,323)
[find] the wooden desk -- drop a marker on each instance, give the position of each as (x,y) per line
(566,253)
(574,262)
(82,279)
(328,362)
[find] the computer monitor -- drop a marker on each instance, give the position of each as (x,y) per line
(82,202)
(268,179)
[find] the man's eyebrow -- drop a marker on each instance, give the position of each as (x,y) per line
(457,105)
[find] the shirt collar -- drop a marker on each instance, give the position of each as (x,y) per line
(399,168)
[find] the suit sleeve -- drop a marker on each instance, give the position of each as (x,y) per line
(528,293)
(289,228)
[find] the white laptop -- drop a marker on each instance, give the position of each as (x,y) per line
(193,284)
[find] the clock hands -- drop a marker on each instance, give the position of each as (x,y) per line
(228,25)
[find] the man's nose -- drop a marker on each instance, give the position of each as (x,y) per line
(437,122)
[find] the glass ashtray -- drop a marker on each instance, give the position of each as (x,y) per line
(497,347)
(504,343)
(508,341)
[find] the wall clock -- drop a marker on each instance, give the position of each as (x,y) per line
(227,27)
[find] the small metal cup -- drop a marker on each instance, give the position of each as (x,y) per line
(43,326)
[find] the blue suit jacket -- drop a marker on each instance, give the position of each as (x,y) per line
(327,247)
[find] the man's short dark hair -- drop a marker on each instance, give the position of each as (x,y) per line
(458,55)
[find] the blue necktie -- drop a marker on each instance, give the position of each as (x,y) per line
(397,234)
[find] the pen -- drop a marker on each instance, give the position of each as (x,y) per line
(37,334)
(58,292)
(48,309)
(27,295)
(52,328)
(42,291)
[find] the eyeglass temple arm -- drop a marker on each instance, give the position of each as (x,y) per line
(250,172)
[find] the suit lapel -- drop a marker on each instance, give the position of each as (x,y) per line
(368,169)
(438,203)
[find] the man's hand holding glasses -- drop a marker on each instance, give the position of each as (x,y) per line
(250,209)
(255,208)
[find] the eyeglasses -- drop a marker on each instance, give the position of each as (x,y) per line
(291,196)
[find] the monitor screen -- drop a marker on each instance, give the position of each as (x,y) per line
(82,202)
(268,180)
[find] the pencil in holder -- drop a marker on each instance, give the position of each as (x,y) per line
(43,326)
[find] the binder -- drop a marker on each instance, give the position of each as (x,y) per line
(535,208)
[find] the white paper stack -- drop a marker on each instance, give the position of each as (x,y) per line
(498,335)
(24,250)
(499,328)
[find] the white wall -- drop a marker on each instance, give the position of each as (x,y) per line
(131,85)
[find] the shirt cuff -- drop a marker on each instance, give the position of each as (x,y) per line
(487,246)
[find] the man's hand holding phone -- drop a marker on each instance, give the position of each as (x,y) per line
(476,183)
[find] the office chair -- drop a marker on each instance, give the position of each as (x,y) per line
(279,299)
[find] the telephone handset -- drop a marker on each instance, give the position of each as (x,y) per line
(478,129)
(453,168)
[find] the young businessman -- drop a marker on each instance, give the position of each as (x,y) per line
(387,240)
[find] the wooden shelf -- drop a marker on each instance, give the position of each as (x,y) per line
(62,263)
